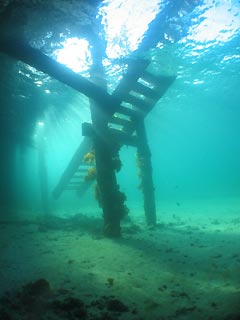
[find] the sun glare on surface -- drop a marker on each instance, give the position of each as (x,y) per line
(75,54)
(125,23)
(219,22)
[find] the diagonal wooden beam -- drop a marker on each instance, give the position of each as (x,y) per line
(35,58)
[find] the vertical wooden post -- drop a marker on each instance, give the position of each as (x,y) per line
(108,188)
(43,177)
(110,198)
(7,186)
(145,167)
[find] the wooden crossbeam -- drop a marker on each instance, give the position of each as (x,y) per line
(20,50)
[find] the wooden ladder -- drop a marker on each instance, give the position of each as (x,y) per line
(137,94)
(73,178)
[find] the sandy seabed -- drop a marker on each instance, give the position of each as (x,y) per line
(188,267)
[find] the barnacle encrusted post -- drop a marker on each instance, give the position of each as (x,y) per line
(107,189)
(108,193)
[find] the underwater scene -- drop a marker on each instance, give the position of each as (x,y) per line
(120,160)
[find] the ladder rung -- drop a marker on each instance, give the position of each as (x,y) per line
(83,168)
(146,91)
(77,178)
(72,188)
(128,112)
(119,121)
(160,82)
(74,183)
(141,104)
(151,78)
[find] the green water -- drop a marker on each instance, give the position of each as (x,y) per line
(64,267)
(193,131)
